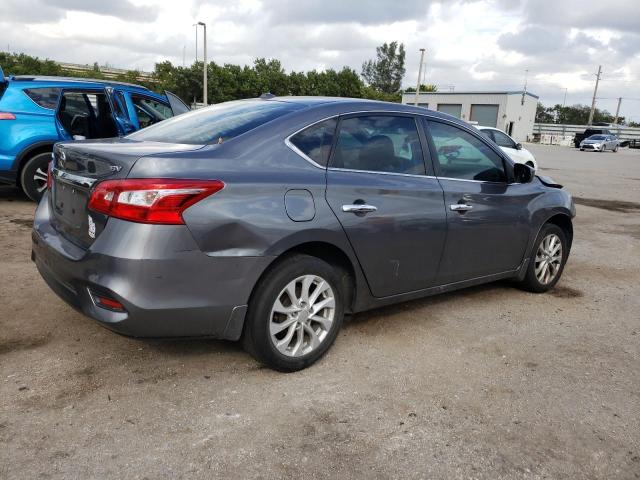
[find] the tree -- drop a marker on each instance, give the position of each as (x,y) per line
(385,73)
(430,87)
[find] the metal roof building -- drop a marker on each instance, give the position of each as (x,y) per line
(513,112)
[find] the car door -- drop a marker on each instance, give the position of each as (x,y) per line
(120,110)
(178,107)
(487,217)
(148,110)
(390,209)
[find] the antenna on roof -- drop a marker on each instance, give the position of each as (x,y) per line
(267,96)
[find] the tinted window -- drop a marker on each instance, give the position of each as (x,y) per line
(315,141)
(150,111)
(217,123)
(379,143)
(462,155)
(503,140)
(488,134)
(44,97)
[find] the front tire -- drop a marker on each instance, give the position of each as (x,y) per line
(549,255)
(615,149)
(33,177)
(295,313)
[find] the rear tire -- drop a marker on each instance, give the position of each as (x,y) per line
(295,313)
(547,260)
(33,177)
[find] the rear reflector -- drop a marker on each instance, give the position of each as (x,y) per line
(150,200)
(7,116)
(108,303)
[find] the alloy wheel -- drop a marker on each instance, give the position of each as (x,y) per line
(548,259)
(302,315)
(40,180)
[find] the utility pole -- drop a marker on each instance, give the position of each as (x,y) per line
(524,92)
(595,92)
(564,100)
(184,52)
(415,102)
(204,66)
(615,120)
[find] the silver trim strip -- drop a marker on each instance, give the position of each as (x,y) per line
(475,181)
(338,169)
(73,179)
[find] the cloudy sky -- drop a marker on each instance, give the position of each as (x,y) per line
(486,44)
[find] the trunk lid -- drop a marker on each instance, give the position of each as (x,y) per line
(77,167)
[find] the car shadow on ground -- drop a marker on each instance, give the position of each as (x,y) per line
(11,194)
(193,347)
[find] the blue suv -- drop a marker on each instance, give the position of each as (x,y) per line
(36,112)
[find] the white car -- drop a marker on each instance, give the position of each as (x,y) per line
(515,150)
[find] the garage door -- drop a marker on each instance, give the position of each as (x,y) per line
(485,115)
(454,109)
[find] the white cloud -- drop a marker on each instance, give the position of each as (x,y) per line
(472,44)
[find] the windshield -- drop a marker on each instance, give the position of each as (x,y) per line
(217,123)
(597,137)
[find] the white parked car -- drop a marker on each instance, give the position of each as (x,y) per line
(515,150)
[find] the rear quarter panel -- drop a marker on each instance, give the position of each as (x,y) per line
(33,124)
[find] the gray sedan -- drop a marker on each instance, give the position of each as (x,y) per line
(600,143)
(267,220)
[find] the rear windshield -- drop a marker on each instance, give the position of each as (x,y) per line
(217,123)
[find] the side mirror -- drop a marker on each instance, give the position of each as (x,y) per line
(518,146)
(523,173)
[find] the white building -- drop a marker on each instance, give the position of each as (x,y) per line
(512,112)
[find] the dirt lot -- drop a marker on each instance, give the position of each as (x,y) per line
(490,382)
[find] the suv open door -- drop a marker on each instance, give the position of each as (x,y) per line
(176,104)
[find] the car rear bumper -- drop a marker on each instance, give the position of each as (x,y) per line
(168,287)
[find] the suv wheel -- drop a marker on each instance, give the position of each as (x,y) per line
(295,313)
(33,177)
(550,252)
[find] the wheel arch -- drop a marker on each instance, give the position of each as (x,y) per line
(330,253)
(563,221)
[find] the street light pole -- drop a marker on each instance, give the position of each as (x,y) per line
(415,102)
(204,80)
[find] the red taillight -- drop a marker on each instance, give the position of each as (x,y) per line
(7,116)
(49,175)
(150,200)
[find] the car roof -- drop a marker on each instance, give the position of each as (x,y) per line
(362,104)
(74,81)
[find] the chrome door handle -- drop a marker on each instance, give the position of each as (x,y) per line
(461,207)
(359,208)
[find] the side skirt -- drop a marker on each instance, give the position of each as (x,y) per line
(373,302)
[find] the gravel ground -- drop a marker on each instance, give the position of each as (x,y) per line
(489,382)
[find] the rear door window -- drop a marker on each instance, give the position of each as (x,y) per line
(44,97)
(379,143)
(315,141)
